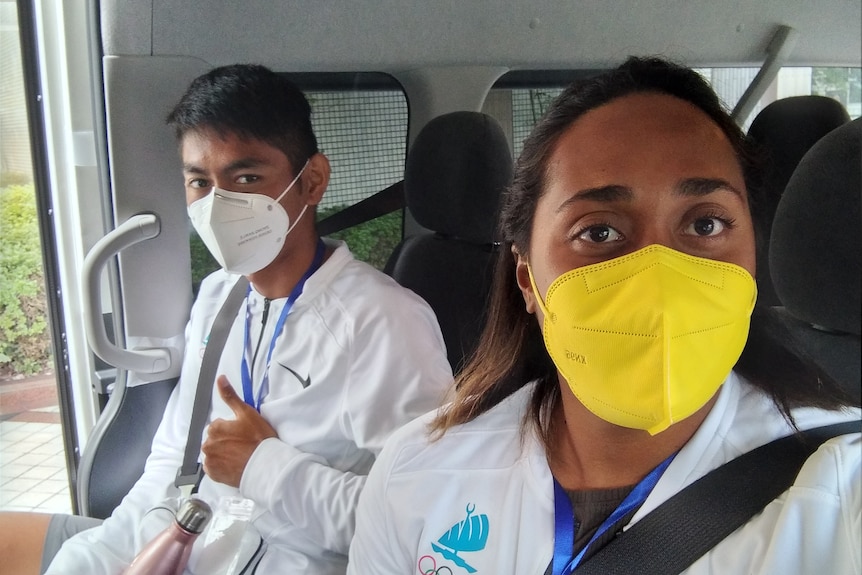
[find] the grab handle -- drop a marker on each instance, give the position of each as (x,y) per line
(135,230)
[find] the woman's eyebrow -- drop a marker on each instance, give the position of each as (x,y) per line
(703,186)
(612,193)
(695,187)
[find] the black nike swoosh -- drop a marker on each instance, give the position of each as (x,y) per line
(303,382)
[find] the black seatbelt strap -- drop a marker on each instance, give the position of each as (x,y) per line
(382,203)
(682,529)
(191,472)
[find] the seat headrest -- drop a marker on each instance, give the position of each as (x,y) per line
(815,255)
(782,133)
(787,128)
(456,171)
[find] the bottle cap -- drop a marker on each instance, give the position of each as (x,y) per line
(193,515)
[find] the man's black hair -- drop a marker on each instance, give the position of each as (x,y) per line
(252,102)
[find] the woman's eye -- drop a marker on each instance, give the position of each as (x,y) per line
(599,234)
(709,226)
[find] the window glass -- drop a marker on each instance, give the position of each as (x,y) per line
(32,456)
(519,108)
(363,132)
(527,107)
(364,135)
(25,341)
(841,84)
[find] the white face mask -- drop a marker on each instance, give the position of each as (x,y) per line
(243,231)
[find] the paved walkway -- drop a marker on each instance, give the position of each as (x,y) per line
(33,473)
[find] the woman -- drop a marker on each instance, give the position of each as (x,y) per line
(631,256)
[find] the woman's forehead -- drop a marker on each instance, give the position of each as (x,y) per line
(643,138)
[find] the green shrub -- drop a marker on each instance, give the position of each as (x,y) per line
(25,343)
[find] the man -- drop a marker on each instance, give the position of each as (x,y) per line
(325,358)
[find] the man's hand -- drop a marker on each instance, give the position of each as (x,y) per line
(229,444)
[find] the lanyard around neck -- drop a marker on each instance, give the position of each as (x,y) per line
(565,560)
(247,386)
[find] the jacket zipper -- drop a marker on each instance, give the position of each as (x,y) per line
(266,302)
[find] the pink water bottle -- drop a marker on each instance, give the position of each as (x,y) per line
(168,552)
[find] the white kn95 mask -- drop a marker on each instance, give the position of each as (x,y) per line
(243,231)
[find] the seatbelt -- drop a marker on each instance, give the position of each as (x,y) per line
(383,202)
(682,529)
(190,473)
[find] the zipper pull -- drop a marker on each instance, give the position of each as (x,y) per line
(266,302)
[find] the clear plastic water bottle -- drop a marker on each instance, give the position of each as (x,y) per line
(217,551)
(168,553)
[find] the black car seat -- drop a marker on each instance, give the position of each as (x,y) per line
(816,253)
(117,451)
(456,171)
(782,132)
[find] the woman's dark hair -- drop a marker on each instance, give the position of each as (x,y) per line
(511,352)
(252,102)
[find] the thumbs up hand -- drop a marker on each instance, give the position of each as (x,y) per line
(230,443)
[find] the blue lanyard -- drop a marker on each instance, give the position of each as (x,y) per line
(565,561)
(247,387)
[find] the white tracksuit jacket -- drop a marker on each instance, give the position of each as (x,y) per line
(419,490)
(359,356)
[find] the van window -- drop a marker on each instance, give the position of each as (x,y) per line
(518,105)
(364,135)
(842,84)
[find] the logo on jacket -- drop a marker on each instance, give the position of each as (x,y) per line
(303,382)
(204,343)
(467,536)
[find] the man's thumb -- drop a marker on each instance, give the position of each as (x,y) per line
(228,394)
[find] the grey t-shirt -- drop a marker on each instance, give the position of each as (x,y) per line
(591,508)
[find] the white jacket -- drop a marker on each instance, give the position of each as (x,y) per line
(419,490)
(359,356)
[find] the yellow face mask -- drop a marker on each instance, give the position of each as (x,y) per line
(645,340)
